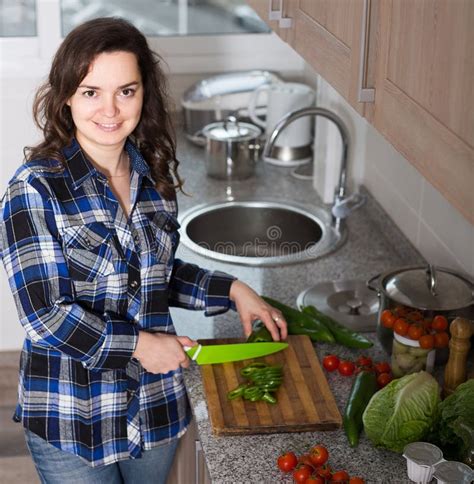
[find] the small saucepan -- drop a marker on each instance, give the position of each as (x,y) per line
(428,289)
(232,149)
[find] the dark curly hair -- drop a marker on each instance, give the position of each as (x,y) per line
(154,134)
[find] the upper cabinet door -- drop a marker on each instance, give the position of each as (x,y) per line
(327,33)
(425,91)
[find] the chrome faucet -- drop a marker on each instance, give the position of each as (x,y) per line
(343,205)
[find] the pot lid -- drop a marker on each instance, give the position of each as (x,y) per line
(231,130)
(429,288)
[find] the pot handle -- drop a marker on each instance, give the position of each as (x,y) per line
(370,284)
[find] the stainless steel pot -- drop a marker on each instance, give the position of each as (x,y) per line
(428,289)
(232,149)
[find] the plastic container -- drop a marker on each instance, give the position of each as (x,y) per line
(408,357)
(421,459)
(453,472)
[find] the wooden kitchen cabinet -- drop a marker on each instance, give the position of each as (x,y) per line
(424,102)
(417,56)
(327,34)
(189,466)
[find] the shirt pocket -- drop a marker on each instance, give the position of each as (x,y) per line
(164,236)
(88,251)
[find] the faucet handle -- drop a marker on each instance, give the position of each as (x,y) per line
(344,206)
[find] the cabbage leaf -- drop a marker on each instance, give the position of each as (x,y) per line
(402,412)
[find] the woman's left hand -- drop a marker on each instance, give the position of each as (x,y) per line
(251,306)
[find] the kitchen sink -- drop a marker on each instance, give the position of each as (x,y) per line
(259,233)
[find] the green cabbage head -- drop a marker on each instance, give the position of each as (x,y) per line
(402,412)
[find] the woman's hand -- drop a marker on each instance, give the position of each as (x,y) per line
(161,352)
(251,306)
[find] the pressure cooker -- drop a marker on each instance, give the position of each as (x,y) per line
(428,289)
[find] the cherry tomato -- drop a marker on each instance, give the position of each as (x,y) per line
(340,476)
(384,379)
(415,316)
(387,318)
(440,323)
(302,472)
(331,362)
(427,341)
(364,361)
(441,340)
(315,479)
(415,332)
(305,459)
(382,367)
(427,324)
(356,480)
(400,327)
(346,368)
(287,461)
(318,455)
(324,471)
(401,311)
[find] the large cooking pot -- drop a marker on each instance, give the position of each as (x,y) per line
(232,149)
(429,289)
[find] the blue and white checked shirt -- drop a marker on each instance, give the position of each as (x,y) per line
(85,280)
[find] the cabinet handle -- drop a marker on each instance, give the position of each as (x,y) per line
(274,14)
(283,22)
(366,95)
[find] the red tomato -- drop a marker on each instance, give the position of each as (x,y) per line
(415,316)
(387,318)
(318,455)
(441,340)
(346,368)
(324,471)
(305,459)
(302,472)
(401,327)
(382,367)
(415,332)
(384,379)
(331,362)
(287,461)
(440,323)
(340,476)
(401,311)
(364,361)
(315,479)
(427,324)
(427,341)
(356,480)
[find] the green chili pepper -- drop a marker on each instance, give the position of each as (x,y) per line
(251,368)
(301,323)
(268,397)
(342,335)
(260,333)
(237,392)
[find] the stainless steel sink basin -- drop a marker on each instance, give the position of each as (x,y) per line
(259,233)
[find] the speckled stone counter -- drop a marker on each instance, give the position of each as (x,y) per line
(374,245)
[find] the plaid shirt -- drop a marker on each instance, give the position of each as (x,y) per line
(85,280)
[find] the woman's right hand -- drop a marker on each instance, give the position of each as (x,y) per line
(161,352)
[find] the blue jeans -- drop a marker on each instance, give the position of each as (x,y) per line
(55,466)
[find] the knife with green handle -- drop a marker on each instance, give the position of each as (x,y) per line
(212,354)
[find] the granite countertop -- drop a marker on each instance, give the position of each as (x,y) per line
(374,245)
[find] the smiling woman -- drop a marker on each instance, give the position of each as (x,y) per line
(89,235)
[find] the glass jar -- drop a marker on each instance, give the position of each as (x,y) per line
(408,357)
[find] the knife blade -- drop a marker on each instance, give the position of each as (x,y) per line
(212,354)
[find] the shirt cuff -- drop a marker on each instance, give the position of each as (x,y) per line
(118,345)
(217,295)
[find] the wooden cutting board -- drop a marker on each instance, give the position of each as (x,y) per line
(305,401)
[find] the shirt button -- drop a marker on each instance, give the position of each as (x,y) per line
(134,284)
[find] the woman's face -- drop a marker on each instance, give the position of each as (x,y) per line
(106,106)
